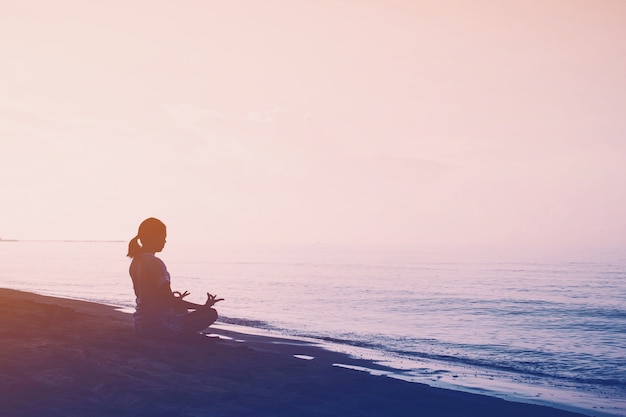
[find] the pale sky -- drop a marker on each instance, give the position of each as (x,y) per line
(460,122)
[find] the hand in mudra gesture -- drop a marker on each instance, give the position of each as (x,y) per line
(180,295)
(211,299)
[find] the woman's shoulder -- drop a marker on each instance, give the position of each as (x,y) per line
(148,263)
(147,258)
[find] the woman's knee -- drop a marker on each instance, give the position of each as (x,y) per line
(211,315)
(199,320)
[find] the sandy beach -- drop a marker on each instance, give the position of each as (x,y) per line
(61,357)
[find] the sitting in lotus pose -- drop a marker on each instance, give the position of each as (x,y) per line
(161,311)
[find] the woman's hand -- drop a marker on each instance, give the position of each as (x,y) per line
(211,299)
(179,304)
(180,295)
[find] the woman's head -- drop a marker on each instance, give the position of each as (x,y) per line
(152,233)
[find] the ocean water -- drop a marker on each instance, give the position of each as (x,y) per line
(539,328)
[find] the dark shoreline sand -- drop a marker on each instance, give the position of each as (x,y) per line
(61,357)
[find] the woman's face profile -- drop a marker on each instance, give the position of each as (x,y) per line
(160,241)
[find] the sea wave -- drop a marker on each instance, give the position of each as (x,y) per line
(523,362)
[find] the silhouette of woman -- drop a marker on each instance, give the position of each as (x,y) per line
(161,312)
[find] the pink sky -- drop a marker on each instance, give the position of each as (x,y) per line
(431,122)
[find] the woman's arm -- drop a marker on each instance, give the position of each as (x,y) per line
(179,301)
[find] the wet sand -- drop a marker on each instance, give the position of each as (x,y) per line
(61,357)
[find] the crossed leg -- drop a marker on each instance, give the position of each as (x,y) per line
(197,320)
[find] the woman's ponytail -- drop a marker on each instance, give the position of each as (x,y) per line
(134,248)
